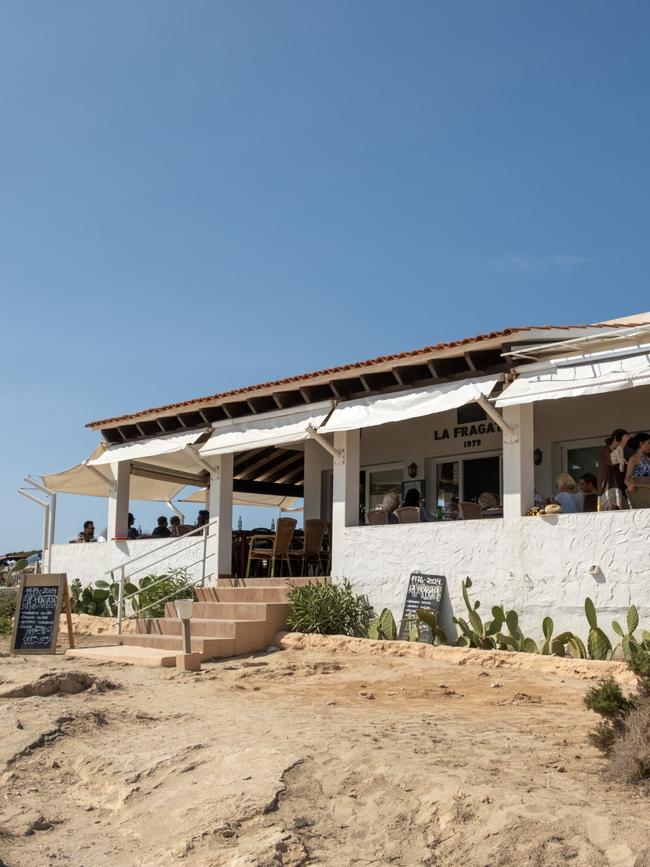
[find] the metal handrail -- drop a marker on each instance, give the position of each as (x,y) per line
(202,531)
(167,544)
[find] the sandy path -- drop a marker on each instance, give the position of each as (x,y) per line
(311,756)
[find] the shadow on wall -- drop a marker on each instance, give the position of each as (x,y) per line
(446,617)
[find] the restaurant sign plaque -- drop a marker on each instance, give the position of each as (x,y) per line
(424,591)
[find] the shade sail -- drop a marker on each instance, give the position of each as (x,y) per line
(565,379)
(271,430)
(275,501)
(384,409)
(87,481)
(166,451)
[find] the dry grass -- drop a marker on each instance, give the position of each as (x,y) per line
(630,753)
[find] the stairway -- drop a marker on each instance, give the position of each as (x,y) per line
(236,617)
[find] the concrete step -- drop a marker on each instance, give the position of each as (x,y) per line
(147,656)
(270,582)
(200,627)
(209,648)
(237,610)
(242,594)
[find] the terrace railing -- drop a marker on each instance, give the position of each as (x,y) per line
(126,571)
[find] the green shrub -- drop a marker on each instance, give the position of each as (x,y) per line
(607,700)
(155,590)
(329,609)
(7,608)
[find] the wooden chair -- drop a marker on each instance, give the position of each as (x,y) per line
(279,550)
(470,511)
(408,515)
(312,542)
(377,516)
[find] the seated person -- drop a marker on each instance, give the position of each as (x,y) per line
(132,533)
(589,483)
(567,496)
(175,525)
(202,518)
(390,503)
(88,533)
(162,530)
(412,498)
(638,467)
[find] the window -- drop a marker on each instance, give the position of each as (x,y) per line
(580,457)
(457,479)
(382,481)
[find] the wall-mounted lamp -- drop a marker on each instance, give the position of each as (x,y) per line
(412,470)
(538,454)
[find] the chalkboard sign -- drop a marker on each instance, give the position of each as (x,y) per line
(424,591)
(38,608)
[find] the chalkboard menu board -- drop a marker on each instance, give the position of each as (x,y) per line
(424,591)
(36,624)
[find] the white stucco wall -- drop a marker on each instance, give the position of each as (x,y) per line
(537,566)
(92,561)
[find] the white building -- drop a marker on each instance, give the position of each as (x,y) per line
(502,413)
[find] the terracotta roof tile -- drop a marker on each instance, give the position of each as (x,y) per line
(303,378)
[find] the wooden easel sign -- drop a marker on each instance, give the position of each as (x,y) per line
(38,608)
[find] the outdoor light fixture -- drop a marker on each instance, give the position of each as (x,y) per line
(412,470)
(184,612)
(538,454)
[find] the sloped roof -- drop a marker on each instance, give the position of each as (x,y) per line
(354,367)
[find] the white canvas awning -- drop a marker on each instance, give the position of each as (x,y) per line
(88,481)
(277,429)
(164,451)
(275,501)
(384,409)
(570,378)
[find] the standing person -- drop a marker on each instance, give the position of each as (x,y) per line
(162,530)
(132,533)
(638,467)
(611,471)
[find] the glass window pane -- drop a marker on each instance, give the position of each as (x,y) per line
(447,483)
(382,482)
(582,460)
(481,476)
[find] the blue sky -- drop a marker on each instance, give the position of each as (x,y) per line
(198,196)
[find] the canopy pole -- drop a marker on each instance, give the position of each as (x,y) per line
(45,556)
(52,518)
(511,433)
(196,457)
(337,454)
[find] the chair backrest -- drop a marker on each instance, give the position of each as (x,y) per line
(408,515)
(377,516)
(487,501)
(590,502)
(315,530)
(470,511)
(639,499)
(284,528)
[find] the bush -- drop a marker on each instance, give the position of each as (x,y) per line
(608,701)
(172,585)
(329,609)
(630,753)
(7,608)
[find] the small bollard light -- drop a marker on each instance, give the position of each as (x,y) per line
(184,612)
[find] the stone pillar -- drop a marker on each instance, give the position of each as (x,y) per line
(345,500)
(518,466)
(219,543)
(316,460)
(118,501)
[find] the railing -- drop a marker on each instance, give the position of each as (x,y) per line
(201,536)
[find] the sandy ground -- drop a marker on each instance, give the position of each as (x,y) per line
(332,751)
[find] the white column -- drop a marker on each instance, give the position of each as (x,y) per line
(316,460)
(518,466)
(118,501)
(345,500)
(219,565)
